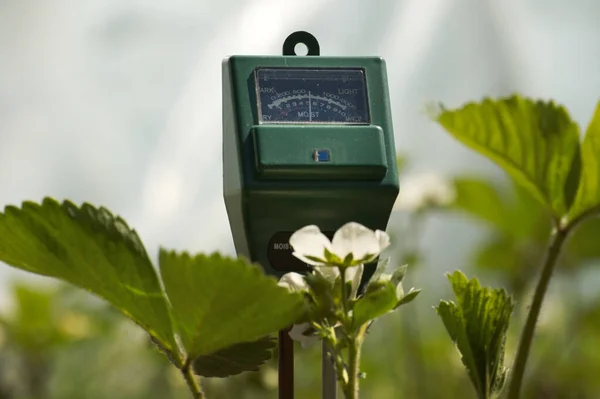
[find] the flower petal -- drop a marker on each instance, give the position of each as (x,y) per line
(383,239)
(308,261)
(399,291)
(293,281)
(330,273)
(298,331)
(354,274)
(356,239)
(310,241)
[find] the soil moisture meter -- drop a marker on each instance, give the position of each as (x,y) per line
(306,140)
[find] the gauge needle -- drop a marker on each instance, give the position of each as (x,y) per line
(309,109)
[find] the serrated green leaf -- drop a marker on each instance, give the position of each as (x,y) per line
(477,323)
(409,297)
(453,320)
(92,249)
(236,359)
(535,142)
(480,199)
(588,194)
(378,299)
(219,301)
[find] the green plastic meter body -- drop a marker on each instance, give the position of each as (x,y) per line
(306,140)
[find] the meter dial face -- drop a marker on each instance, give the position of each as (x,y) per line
(329,95)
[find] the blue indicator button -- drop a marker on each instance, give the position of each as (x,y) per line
(321,155)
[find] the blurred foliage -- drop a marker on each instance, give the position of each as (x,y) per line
(518,232)
(59,342)
(537,144)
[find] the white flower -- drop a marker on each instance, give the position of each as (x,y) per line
(304,334)
(352,238)
(353,274)
(422,190)
(294,282)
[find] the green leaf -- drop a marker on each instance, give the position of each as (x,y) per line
(324,295)
(508,210)
(92,249)
(398,274)
(236,359)
(318,283)
(379,299)
(588,195)
(583,243)
(480,199)
(409,297)
(477,323)
(379,270)
(535,142)
(348,259)
(218,301)
(332,259)
(529,220)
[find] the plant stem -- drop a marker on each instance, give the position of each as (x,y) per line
(351,389)
(520,363)
(344,291)
(353,362)
(192,380)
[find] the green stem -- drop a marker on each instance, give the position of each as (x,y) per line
(351,389)
(192,380)
(346,318)
(527,335)
(344,291)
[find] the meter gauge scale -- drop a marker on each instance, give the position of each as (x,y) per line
(311,96)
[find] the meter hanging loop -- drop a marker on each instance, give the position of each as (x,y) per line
(303,37)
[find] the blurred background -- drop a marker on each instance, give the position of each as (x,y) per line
(118,103)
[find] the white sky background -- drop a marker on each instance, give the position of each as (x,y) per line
(118,102)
